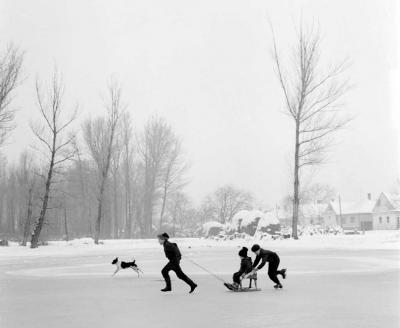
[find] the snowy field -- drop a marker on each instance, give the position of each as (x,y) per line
(333,281)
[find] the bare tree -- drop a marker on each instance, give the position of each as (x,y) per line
(138,196)
(52,135)
(99,135)
(225,202)
(10,70)
(153,148)
(83,175)
(115,168)
(3,191)
(128,164)
(312,96)
(180,212)
(28,182)
(173,173)
(318,193)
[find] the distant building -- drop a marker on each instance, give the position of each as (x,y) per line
(386,212)
(367,214)
(351,215)
(329,216)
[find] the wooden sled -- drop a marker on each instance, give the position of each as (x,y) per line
(251,277)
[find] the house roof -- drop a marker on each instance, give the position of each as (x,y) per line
(394,200)
(358,207)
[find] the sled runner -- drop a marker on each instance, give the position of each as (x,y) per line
(247,289)
(232,288)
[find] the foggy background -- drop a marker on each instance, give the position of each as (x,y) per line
(207,67)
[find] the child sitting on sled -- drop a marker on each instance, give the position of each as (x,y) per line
(246,266)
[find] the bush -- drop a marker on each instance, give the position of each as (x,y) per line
(3,242)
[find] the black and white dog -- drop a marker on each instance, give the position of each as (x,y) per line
(121,265)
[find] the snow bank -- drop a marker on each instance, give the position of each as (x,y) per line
(369,240)
(268,219)
(212,228)
(244,218)
(254,221)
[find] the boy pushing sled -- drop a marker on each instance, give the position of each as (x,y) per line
(273,260)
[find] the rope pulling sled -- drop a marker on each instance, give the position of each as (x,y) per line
(252,276)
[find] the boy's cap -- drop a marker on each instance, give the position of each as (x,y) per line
(163,236)
(255,248)
(243,252)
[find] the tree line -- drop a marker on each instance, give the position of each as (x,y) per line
(105,180)
(99,178)
(79,175)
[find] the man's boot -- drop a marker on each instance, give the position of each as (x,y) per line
(167,287)
(192,287)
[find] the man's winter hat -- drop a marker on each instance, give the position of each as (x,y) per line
(163,236)
(255,248)
(243,252)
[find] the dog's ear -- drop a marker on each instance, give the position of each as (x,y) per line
(134,261)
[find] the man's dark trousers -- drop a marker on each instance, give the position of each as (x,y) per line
(174,266)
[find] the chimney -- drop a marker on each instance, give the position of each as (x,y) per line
(369,196)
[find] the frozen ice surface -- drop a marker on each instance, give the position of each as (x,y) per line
(333,281)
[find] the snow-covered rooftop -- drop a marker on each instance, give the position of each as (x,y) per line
(358,207)
(394,200)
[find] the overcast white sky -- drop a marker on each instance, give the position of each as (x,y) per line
(206,67)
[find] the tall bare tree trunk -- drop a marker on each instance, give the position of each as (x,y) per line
(84,199)
(39,224)
(174,220)
(115,227)
(164,201)
(128,205)
(66,224)
(99,213)
(148,211)
(296,186)
(28,219)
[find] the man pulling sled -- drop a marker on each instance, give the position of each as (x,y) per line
(174,258)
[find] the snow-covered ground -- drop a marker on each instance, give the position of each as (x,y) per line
(370,240)
(333,281)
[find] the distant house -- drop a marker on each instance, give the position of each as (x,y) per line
(386,212)
(329,216)
(351,215)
